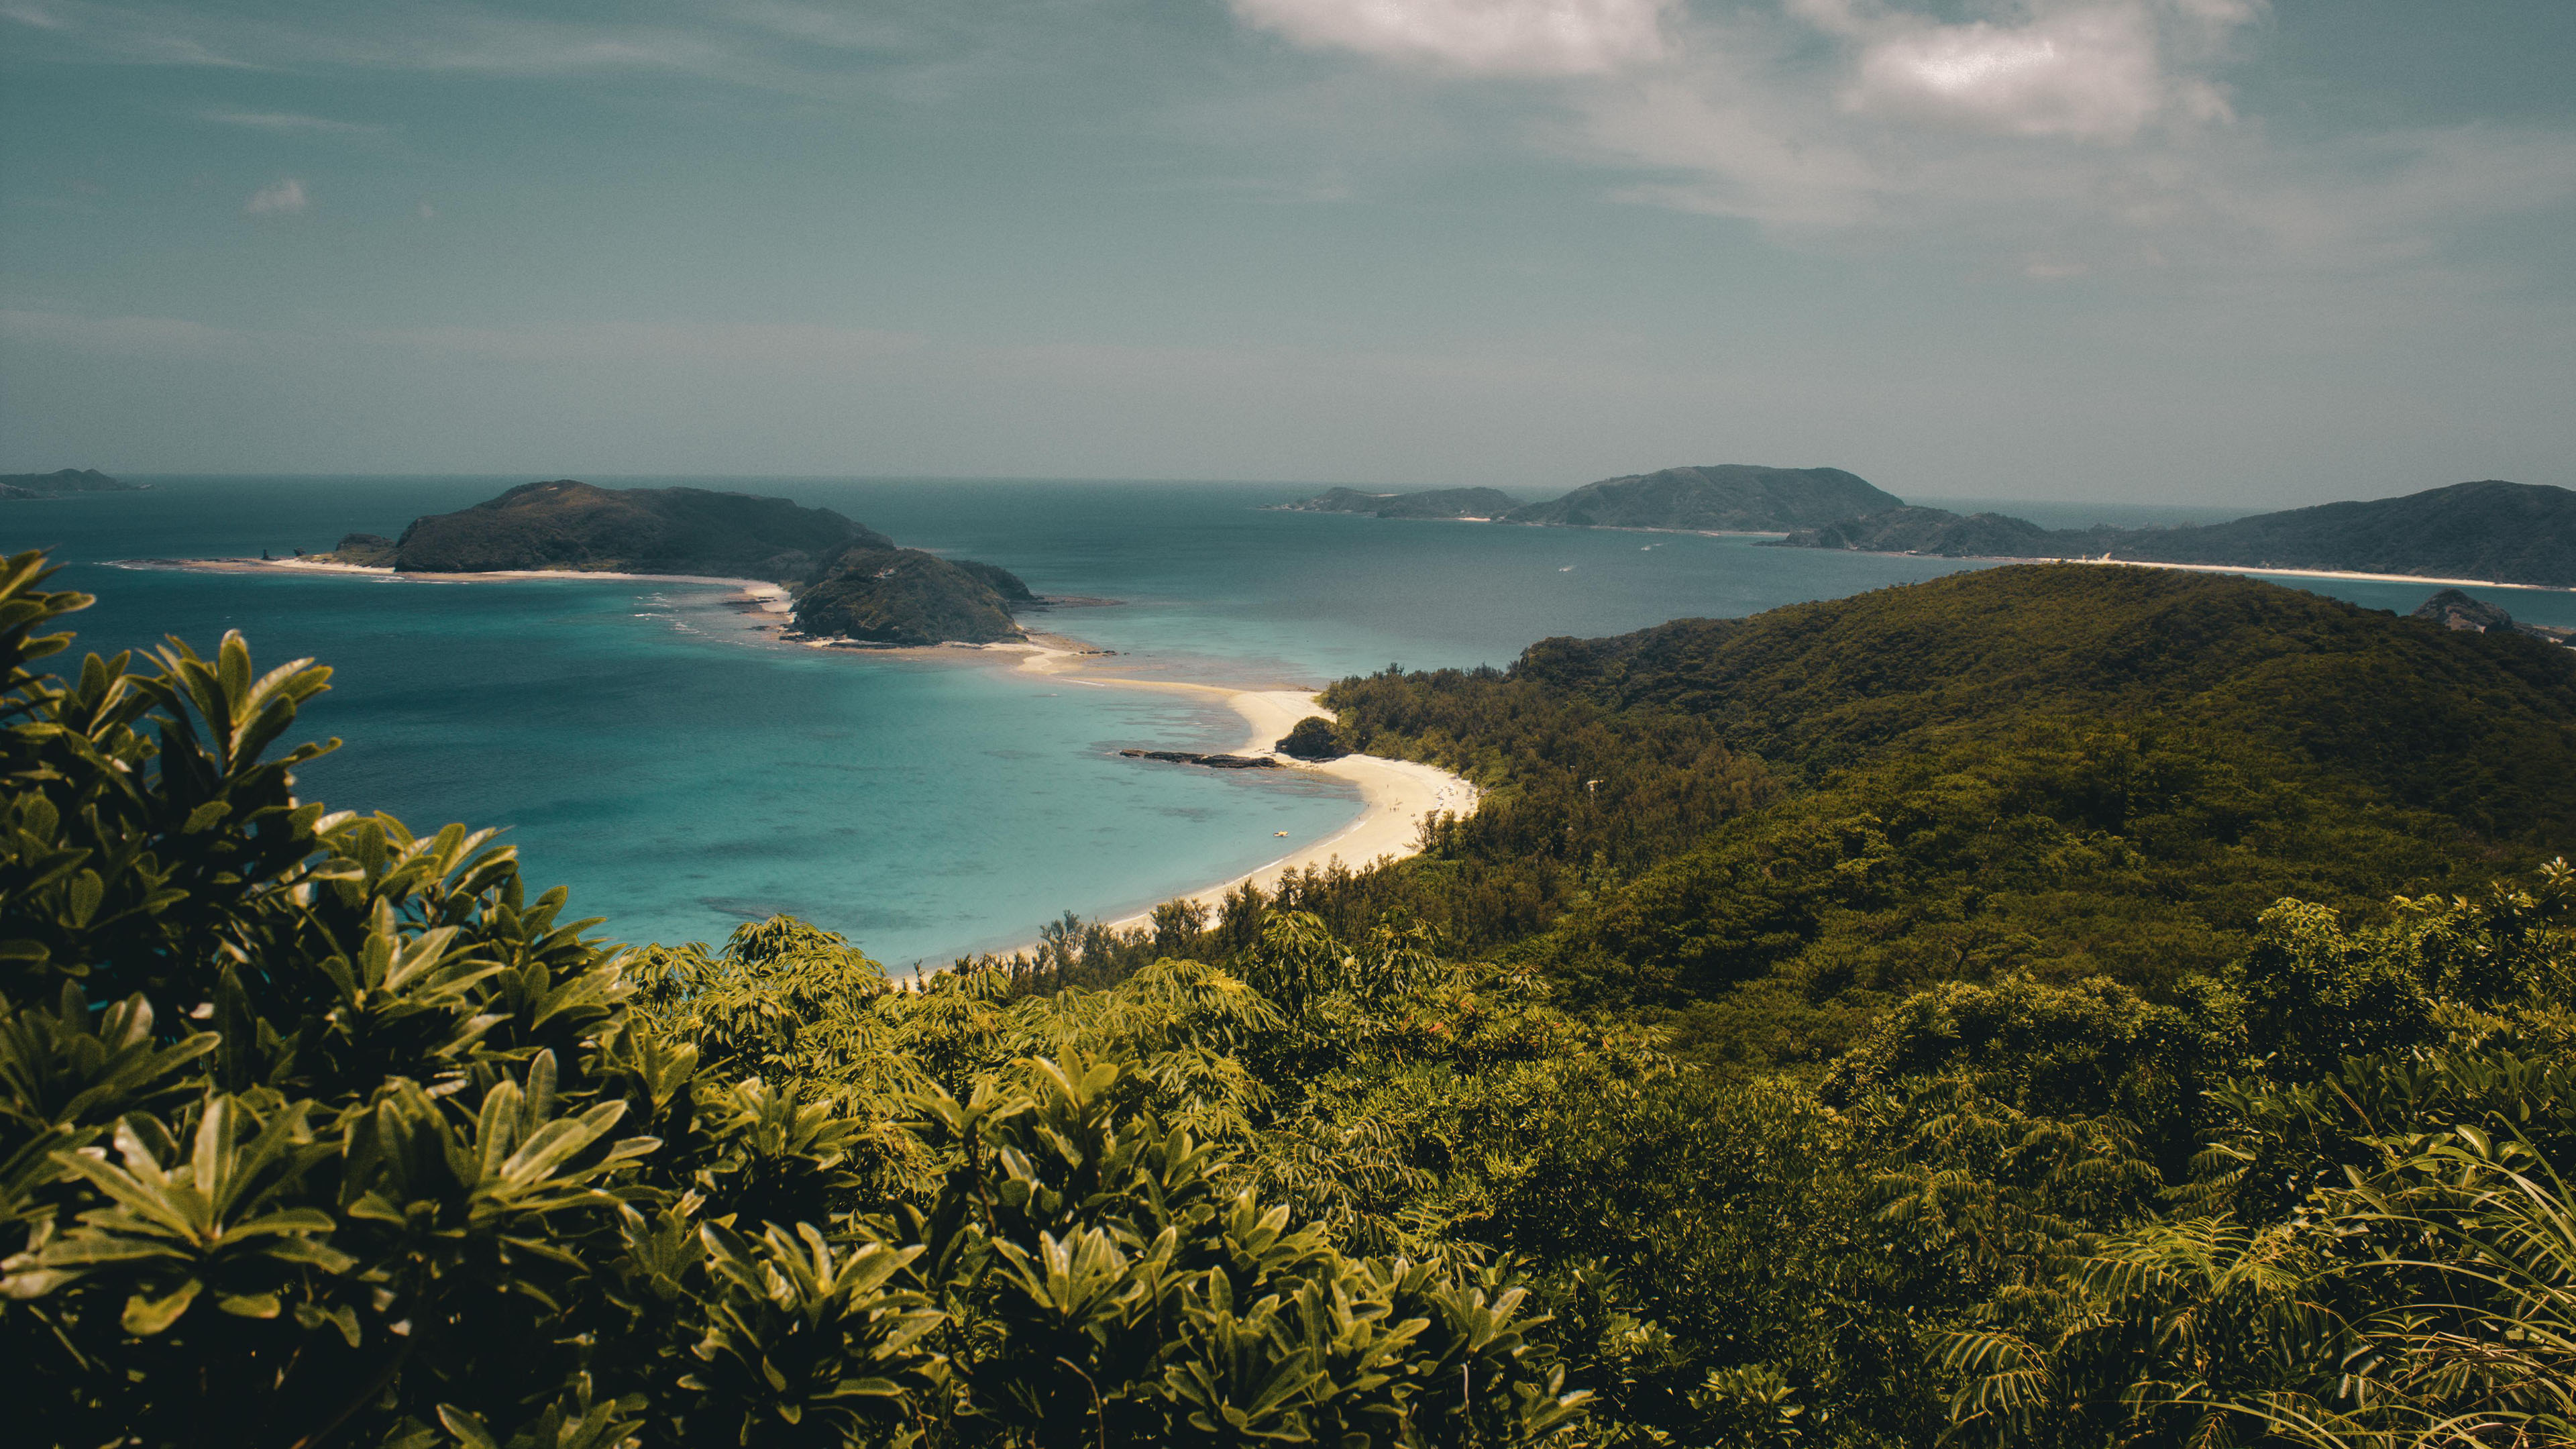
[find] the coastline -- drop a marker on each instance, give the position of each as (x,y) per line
(772,598)
(1395,795)
(2348,575)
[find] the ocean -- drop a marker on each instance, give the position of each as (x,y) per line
(682,774)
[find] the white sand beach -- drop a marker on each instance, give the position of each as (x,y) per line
(1396,794)
(2140,563)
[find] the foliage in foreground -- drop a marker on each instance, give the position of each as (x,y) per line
(316,1132)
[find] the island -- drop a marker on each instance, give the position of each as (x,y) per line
(2509,533)
(848,582)
(63,481)
(1716,498)
(1462,504)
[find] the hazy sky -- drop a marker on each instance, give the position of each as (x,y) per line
(2144,250)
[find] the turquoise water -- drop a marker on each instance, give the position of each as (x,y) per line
(682,774)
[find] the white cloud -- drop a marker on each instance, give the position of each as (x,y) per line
(284,196)
(2092,75)
(289,123)
(1491,37)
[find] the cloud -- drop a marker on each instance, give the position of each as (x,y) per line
(1489,37)
(288,123)
(284,196)
(160,338)
(2093,75)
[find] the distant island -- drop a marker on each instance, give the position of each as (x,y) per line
(2512,533)
(62,481)
(847,580)
(1452,503)
(1717,498)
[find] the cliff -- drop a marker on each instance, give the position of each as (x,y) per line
(1720,498)
(62,481)
(2514,533)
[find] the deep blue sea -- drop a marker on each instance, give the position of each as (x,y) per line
(682,774)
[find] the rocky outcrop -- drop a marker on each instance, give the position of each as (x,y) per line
(2453,609)
(1213,762)
(1718,498)
(368,550)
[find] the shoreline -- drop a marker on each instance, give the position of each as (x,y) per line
(1395,795)
(2347,575)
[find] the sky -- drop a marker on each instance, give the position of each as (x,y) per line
(2149,251)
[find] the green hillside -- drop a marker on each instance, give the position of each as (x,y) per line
(2515,533)
(1718,497)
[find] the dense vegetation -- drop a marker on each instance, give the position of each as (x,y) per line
(2515,533)
(572,525)
(1720,497)
(313,1131)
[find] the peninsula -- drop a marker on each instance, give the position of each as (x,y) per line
(1717,498)
(63,481)
(2510,533)
(847,581)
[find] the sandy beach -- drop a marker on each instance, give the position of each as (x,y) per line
(2140,563)
(1396,794)
(772,598)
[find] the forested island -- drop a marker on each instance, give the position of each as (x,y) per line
(847,580)
(63,481)
(1468,503)
(2048,1005)
(2514,533)
(1718,498)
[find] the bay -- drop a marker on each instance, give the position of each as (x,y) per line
(681,774)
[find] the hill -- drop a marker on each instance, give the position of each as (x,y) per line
(62,481)
(848,580)
(903,596)
(1772,825)
(1429,503)
(2515,533)
(572,525)
(1721,498)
